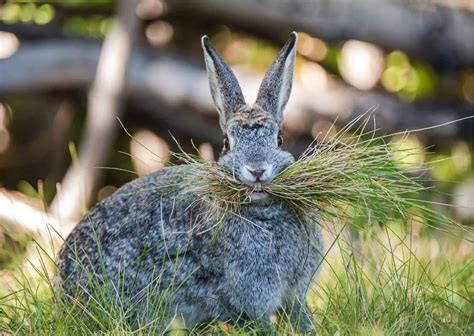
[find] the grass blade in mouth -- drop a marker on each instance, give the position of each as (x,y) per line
(352,172)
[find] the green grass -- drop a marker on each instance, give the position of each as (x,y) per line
(383,282)
(395,286)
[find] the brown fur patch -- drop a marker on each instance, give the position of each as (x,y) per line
(251,116)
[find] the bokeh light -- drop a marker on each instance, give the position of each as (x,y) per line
(450,166)
(206,152)
(398,72)
(311,47)
(44,14)
(361,64)
(313,76)
(11,13)
(410,152)
(159,33)
(461,156)
(149,152)
(150,9)
(463,200)
(105,192)
(408,80)
(27,13)
(9,44)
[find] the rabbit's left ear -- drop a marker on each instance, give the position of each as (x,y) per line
(276,85)
(225,89)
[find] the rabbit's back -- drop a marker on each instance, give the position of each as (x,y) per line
(128,228)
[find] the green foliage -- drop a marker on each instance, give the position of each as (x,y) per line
(453,167)
(13,246)
(36,12)
(388,283)
(332,59)
(44,12)
(409,80)
(95,26)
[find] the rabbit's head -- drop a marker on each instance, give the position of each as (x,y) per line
(252,137)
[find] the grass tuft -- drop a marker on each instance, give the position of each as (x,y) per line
(352,174)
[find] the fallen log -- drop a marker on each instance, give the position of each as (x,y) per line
(437,34)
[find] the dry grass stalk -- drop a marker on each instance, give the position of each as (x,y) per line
(352,174)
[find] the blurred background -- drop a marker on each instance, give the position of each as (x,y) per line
(71,69)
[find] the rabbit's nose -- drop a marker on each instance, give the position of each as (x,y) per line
(251,174)
(258,173)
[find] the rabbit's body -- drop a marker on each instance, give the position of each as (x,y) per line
(151,235)
(260,259)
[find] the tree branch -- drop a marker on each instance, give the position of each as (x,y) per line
(30,216)
(104,107)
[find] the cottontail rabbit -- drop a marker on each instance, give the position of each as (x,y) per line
(143,238)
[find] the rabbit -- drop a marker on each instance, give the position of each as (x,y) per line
(143,238)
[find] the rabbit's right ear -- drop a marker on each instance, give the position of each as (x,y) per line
(225,89)
(275,89)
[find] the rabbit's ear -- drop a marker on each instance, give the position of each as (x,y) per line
(225,89)
(276,85)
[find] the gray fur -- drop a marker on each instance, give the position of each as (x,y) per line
(150,231)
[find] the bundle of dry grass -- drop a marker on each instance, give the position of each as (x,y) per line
(353,173)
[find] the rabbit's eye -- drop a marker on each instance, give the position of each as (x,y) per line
(225,146)
(280,140)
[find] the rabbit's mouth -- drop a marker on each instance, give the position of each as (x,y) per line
(257,193)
